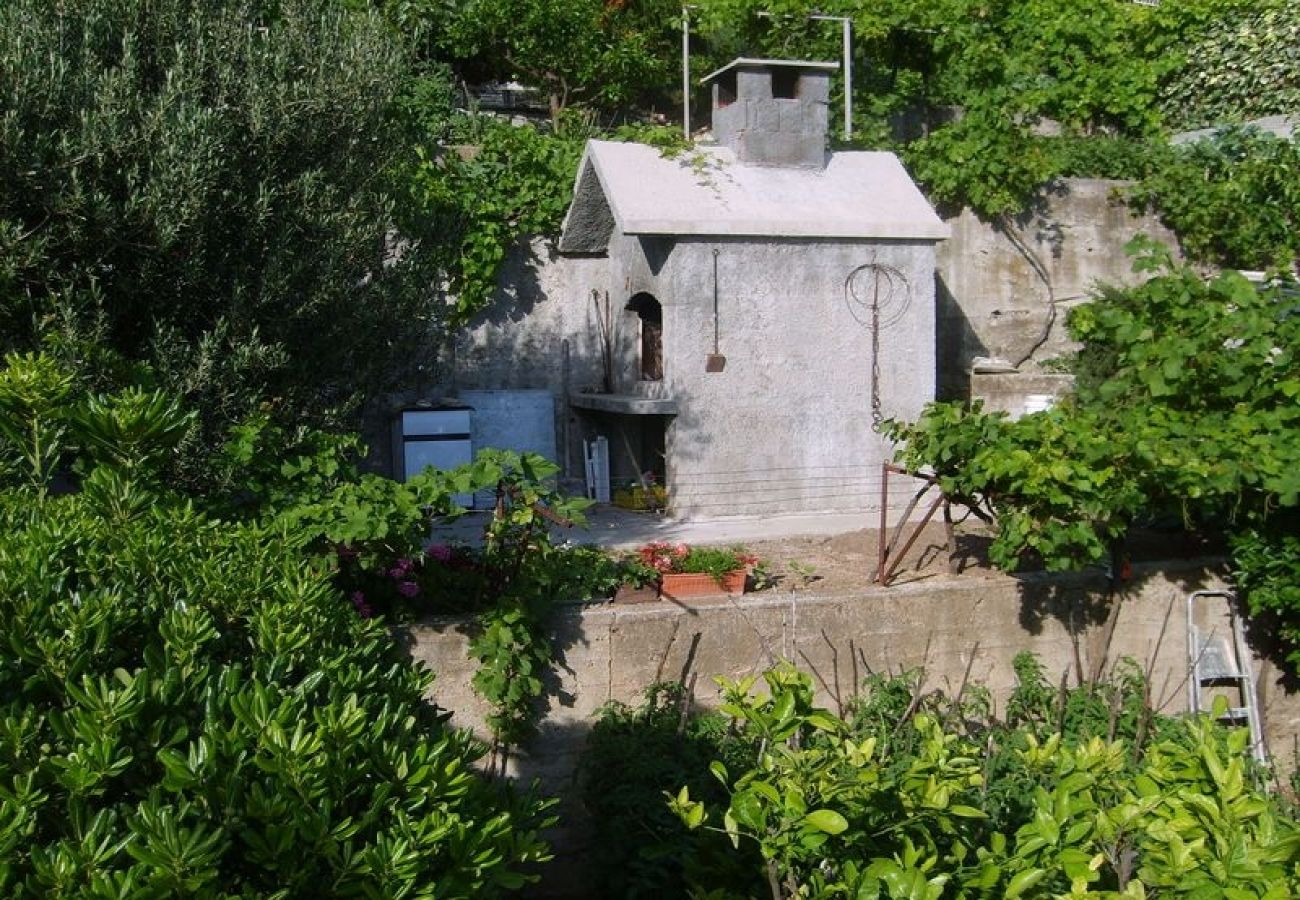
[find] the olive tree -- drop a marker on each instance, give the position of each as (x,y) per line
(200,196)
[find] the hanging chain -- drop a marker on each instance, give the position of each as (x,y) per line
(877,414)
(890,297)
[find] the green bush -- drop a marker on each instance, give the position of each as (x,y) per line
(191,709)
(1234,199)
(915,795)
(634,756)
(200,196)
(189,706)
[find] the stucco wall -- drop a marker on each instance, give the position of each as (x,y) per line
(948,626)
(786,426)
(992,302)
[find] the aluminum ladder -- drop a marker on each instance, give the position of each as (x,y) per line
(1218,658)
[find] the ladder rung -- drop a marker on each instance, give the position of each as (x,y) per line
(1236,714)
(1215,659)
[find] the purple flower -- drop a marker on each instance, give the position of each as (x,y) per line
(401,569)
(408,589)
(362,607)
(440,552)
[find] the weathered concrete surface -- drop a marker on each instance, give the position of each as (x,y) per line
(948,626)
(992,300)
(1018,393)
(708,191)
(797,379)
(766,126)
(1284,126)
(787,426)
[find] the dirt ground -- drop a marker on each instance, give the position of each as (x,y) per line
(848,562)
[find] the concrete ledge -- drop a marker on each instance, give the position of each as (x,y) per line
(627,404)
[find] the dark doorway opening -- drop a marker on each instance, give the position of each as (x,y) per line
(651,317)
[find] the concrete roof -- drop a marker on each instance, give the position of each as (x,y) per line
(706,192)
(743,62)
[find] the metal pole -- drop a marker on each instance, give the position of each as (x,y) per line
(848,79)
(686,73)
(846,25)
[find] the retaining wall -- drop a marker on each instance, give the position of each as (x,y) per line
(950,626)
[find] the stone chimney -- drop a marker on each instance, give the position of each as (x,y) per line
(772,112)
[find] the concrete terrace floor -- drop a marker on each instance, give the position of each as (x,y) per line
(617,528)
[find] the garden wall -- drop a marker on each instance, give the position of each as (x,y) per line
(992,302)
(956,628)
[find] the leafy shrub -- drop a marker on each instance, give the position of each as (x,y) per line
(200,197)
(190,710)
(515,183)
(1233,199)
(634,756)
(1243,67)
(1184,405)
(189,707)
(933,802)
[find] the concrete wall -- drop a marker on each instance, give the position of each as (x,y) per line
(786,426)
(948,626)
(992,302)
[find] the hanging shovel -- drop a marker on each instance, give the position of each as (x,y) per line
(715,362)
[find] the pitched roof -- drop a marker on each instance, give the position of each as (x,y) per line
(706,192)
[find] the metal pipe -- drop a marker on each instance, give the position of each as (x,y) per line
(686,73)
(847,26)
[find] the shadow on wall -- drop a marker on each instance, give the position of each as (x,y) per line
(956,344)
(501,347)
(518,287)
(1037,223)
(1088,609)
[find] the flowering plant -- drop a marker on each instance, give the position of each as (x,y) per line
(670,559)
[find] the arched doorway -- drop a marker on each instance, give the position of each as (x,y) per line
(651,317)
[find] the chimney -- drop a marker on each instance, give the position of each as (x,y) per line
(772,112)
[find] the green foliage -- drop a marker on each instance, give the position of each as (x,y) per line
(915,803)
(984,161)
(197,197)
(636,755)
(1058,483)
(1234,199)
(513,183)
(372,532)
(1244,66)
(33,392)
(1184,404)
(526,574)
(715,561)
(190,708)
(1266,569)
(587,51)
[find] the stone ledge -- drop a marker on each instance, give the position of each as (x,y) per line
(627,404)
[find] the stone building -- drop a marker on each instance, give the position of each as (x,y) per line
(734,318)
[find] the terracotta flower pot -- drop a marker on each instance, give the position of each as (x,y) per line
(681,585)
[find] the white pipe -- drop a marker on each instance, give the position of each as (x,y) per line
(686,73)
(847,25)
